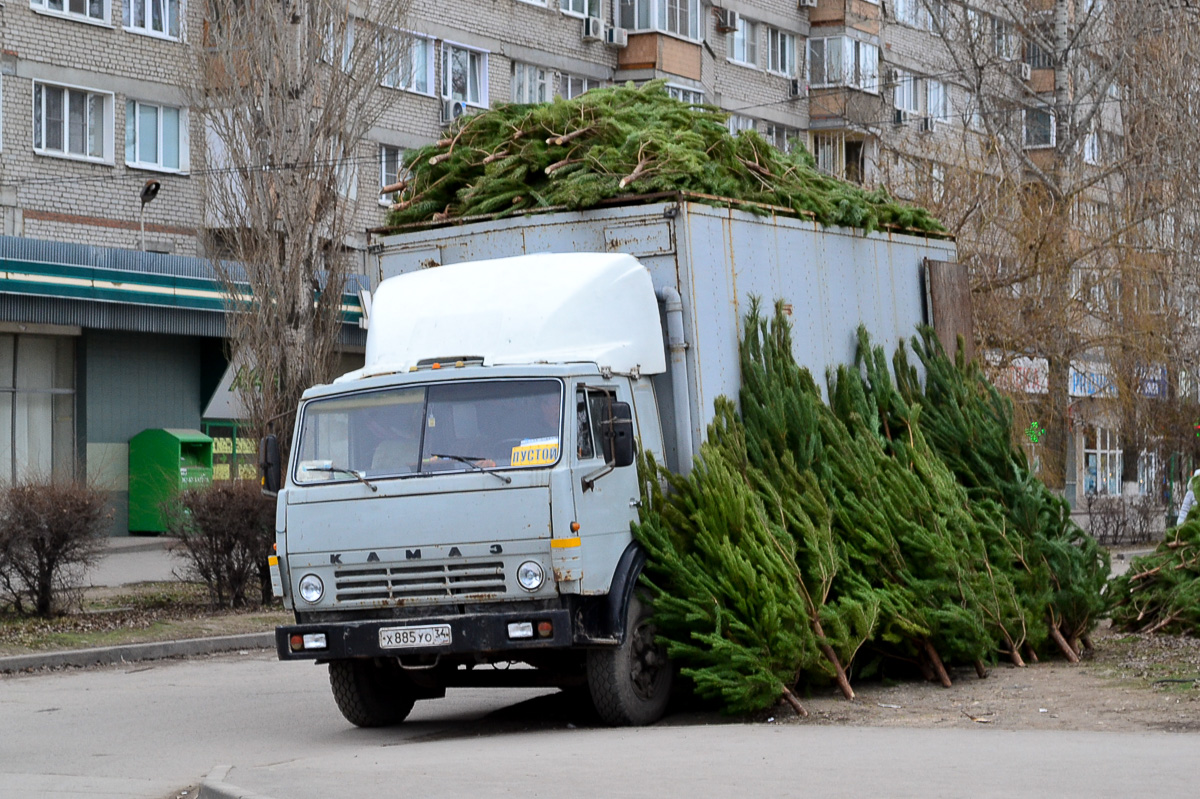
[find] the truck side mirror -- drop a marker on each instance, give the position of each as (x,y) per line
(268,464)
(618,435)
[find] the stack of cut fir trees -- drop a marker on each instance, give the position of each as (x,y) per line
(610,143)
(893,527)
(1161,591)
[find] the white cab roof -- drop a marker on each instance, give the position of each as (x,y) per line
(546,308)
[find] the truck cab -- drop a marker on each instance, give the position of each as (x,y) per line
(465,499)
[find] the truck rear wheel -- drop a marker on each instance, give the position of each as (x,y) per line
(631,684)
(371,693)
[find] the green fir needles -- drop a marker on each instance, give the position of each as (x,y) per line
(627,140)
(815,541)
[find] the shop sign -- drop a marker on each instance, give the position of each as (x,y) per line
(1024,374)
(1093,381)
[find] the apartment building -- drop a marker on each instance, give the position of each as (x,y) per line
(93,108)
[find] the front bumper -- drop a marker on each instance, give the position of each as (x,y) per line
(469,634)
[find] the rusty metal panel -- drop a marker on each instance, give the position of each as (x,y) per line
(950,305)
(638,240)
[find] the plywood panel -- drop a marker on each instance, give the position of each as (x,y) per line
(950,305)
(641,52)
(680,57)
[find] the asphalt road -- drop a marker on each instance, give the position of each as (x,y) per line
(250,722)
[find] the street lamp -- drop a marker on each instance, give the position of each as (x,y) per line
(149,192)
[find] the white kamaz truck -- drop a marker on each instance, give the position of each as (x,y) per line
(463,502)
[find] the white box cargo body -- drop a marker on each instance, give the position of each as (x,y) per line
(832,279)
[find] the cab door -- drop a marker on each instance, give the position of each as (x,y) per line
(606,496)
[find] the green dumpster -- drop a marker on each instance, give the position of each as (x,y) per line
(161,464)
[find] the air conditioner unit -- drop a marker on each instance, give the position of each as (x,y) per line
(796,88)
(452,110)
(1025,71)
(727,21)
(806,3)
(593,29)
(616,37)
(899,117)
(928,125)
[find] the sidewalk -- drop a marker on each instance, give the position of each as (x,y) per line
(129,560)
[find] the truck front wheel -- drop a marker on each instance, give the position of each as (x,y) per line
(371,693)
(630,684)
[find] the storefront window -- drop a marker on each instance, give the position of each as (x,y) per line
(1101,461)
(234,457)
(37,407)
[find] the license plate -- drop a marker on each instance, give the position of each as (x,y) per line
(407,637)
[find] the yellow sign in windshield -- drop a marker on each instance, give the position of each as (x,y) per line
(535,452)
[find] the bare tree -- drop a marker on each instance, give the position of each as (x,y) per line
(1051,206)
(288,91)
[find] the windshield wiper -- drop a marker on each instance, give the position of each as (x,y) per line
(339,470)
(470,461)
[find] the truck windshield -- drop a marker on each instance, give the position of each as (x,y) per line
(446,427)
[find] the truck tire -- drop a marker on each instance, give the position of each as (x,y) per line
(630,684)
(371,693)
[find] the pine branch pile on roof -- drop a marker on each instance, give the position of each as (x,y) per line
(626,140)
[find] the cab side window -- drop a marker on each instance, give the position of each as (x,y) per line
(590,407)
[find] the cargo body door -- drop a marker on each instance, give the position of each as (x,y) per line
(606,497)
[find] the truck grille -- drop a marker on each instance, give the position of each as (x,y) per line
(428,581)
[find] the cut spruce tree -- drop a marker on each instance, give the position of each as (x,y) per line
(815,541)
(1057,569)
(723,577)
(623,141)
(1161,591)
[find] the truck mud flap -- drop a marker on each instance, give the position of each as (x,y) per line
(472,633)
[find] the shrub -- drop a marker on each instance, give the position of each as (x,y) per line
(50,533)
(227,531)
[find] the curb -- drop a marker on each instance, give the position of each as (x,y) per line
(107,655)
(213,786)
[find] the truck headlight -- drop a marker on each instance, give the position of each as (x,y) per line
(530,575)
(311,588)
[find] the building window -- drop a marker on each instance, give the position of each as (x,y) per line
(529,83)
(689,96)
(837,156)
(155,136)
(37,407)
(1101,461)
(580,8)
(571,86)
(935,99)
(680,17)
(155,17)
(407,62)
(839,61)
(345,170)
(738,122)
(1039,128)
(781,52)
(1091,148)
(464,75)
(781,136)
(90,10)
(904,94)
(333,40)
(742,44)
(1037,57)
(71,122)
(928,15)
(391,161)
